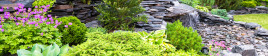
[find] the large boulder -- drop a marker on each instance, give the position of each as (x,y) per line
(245,50)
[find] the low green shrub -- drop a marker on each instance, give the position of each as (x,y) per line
(192,3)
(201,8)
(182,37)
(21,37)
(97,29)
(115,44)
(42,50)
(72,29)
(120,14)
(86,1)
(220,12)
(251,4)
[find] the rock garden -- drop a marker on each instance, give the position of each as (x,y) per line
(133,28)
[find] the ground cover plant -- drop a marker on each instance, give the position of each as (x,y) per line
(261,19)
(24,28)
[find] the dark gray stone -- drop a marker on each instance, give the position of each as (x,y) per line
(251,52)
(94,23)
(252,25)
(237,49)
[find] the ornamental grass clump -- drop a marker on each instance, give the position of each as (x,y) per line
(182,37)
(26,27)
(119,14)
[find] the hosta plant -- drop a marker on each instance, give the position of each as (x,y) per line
(43,50)
(183,37)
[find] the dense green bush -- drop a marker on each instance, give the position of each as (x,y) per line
(251,4)
(43,50)
(21,37)
(201,8)
(72,34)
(115,44)
(40,3)
(207,2)
(183,53)
(220,12)
(182,37)
(119,14)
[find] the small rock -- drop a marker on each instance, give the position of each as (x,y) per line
(153,10)
(251,52)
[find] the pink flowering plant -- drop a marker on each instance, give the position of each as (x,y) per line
(26,27)
(215,47)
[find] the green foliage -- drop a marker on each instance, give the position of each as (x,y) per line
(42,50)
(192,3)
(86,1)
(119,14)
(251,4)
(228,4)
(201,8)
(97,29)
(182,37)
(20,37)
(115,44)
(158,38)
(220,12)
(75,33)
(207,2)
(40,3)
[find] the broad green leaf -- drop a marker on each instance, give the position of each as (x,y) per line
(36,48)
(56,50)
(64,49)
(47,51)
(37,53)
(23,52)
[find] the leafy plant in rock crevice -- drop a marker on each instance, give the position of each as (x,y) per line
(119,14)
(182,37)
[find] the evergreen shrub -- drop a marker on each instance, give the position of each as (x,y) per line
(182,37)
(220,12)
(251,4)
(119,14)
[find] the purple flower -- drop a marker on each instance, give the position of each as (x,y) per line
(17,23)
(2,30)
(20,10)
(29,9)
(7,7)
(44,10)
(66,26)
(70,23)
(36,25)
(35,6)
(42,34)
(40,21)
(31,22)
(55,26)
(1,26)
(47,22)
(16,8)
(48,6)
(36,16)
(49,15)
(6,15)
(1,10)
